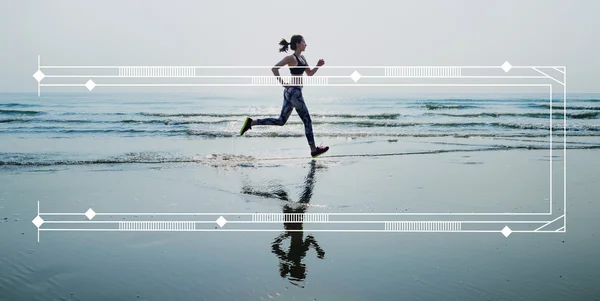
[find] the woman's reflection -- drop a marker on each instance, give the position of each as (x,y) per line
(290,261)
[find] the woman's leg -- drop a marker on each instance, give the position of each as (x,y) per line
(286,111)
(297,101)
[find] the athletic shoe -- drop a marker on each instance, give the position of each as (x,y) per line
(320,150)
(247,126)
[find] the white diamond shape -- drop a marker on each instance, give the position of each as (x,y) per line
(506,66)
(355,76)
(39,75)
(90,213)
(90,85)
(221,221)
(506,231)
(37,221)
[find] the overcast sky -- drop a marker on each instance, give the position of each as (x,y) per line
(444,32)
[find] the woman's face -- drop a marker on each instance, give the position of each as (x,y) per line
(301,46)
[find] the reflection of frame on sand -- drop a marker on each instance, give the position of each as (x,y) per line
(290,261)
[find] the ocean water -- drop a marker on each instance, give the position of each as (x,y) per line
(171,152)
(38,130)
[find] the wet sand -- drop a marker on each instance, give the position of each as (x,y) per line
(291,262)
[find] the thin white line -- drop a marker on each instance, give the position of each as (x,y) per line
(565,148)
(551,146)
(260,230)
(558,70)
(266,76)
(331,85)
(305,222)
(63,85)
(133,222)
(312,85)
(552,221)
(312,230)
(556,80)
(323,67)
(38,87)
(559,229)
(529,231)
(331,214)
(38,205)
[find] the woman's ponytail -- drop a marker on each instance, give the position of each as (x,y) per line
(284,45)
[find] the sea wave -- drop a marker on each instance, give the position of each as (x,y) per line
(40,160)
(358,120)
(225,115)
(14,104)
(19,112)
(449,106)
(562,107)
(579,115)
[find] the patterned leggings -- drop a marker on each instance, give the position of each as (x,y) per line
(292,99)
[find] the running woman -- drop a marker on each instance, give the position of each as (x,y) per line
(292,94)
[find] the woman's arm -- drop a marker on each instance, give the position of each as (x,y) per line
(311,72)
(275,69)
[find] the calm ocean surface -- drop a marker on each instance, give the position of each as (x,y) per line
(145,115)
